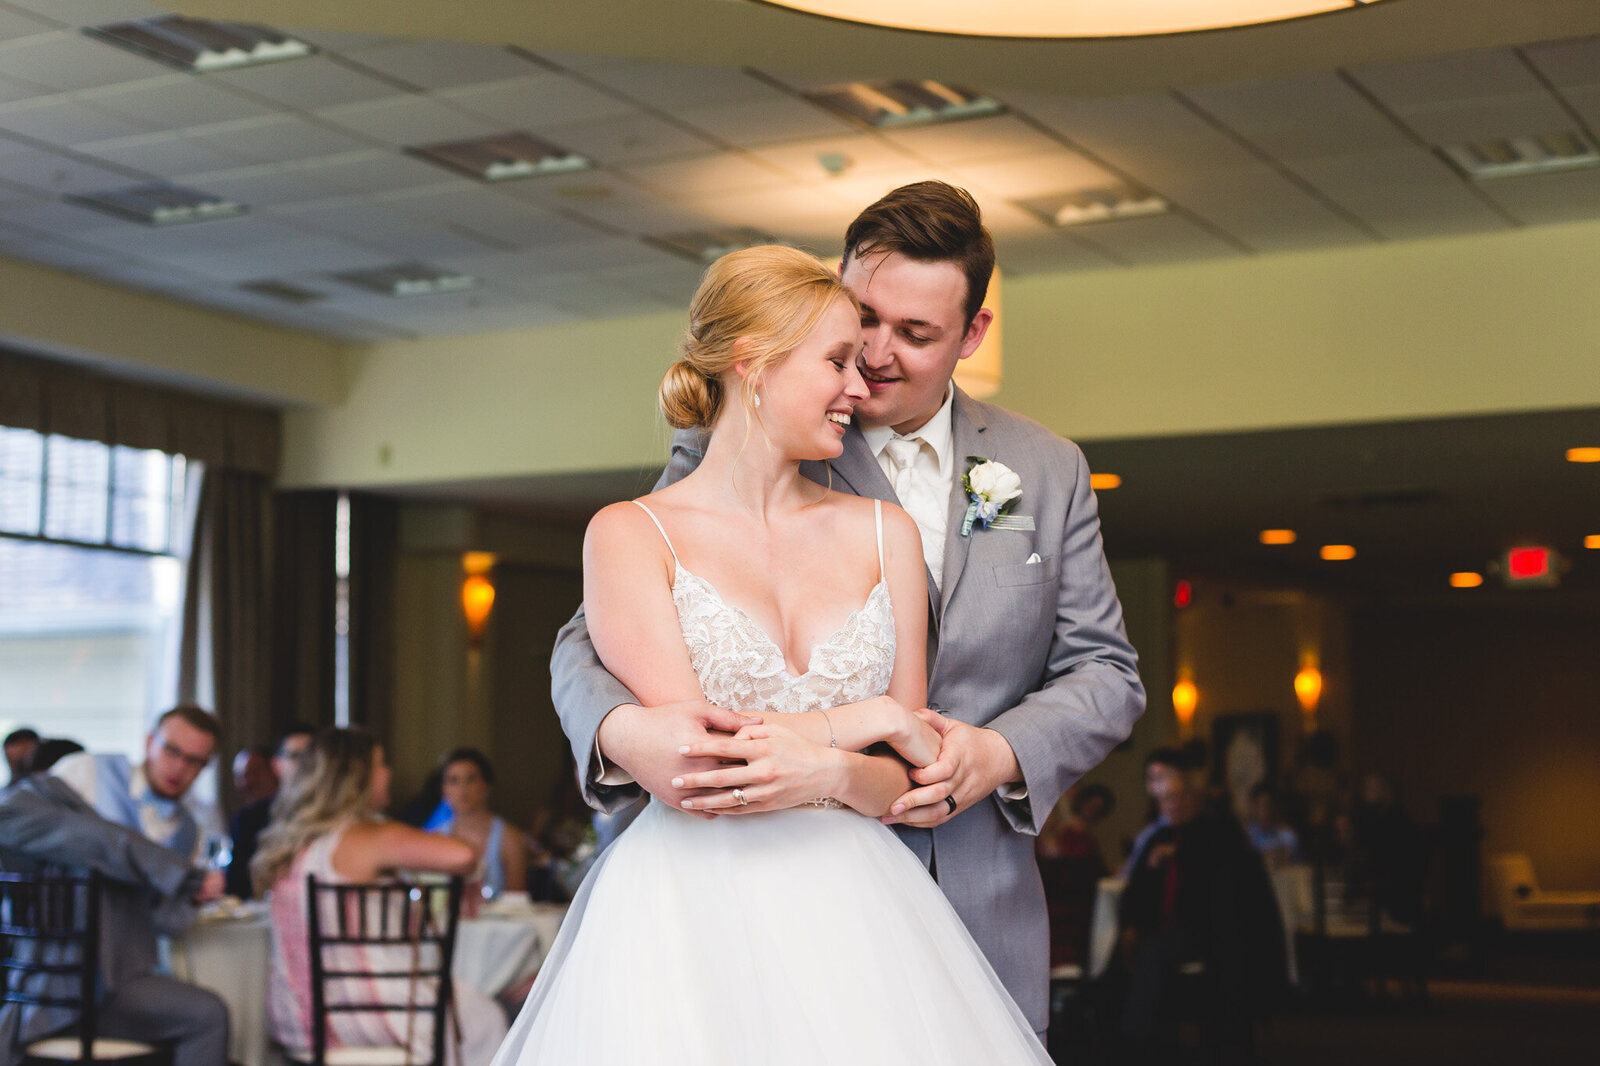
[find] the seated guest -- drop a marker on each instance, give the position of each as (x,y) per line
(1277,844)
(326,823)
(1163,769)
(129,824)
(249,820)
(253,776)
(50,751)
(19,747)
(1071,867)
(1201,940)
(465,789)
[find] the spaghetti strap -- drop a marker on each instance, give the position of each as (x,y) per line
(877,514)
(674,551)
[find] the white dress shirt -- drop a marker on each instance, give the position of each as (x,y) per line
(924,485)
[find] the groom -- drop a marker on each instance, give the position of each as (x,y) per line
(1029,668)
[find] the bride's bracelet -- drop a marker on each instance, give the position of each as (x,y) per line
(833,741)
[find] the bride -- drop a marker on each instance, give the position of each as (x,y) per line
(784,934)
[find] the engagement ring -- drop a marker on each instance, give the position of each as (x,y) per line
(738,794)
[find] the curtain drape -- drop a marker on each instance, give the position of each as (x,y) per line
(374,553)
(303,607)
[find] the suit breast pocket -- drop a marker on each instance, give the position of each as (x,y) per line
(1043,572)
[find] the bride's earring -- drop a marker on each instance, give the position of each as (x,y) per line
(756,399)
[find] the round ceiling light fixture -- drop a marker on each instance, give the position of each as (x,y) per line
(1067,18)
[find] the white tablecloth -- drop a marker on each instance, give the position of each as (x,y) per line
(500,948)
(229,953)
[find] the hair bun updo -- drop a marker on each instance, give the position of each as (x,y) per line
(688,398)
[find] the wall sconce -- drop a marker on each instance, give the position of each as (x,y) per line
(1308,688)
(1185,697)
(477,593)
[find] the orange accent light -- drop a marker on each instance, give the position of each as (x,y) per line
(1465,579)
(1308,688)
(1277,536)
(477,598)
(1185,697)
(1102,482)
(1592,540)
(1338,552)
(1583,455)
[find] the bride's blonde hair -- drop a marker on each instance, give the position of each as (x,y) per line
(754,305)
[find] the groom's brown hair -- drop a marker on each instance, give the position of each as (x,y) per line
(930,222)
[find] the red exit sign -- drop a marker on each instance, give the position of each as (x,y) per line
(1529,567)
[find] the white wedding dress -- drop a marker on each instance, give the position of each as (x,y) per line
(809,936)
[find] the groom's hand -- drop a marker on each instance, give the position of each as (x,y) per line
(644,741)
(972,763)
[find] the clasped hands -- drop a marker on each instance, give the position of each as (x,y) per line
(693,755)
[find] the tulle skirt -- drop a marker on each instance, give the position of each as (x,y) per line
(807,936)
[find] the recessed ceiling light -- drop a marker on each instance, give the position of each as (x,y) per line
(1080,18)
(1102,482)
(1465,579)
(1095,205)
(1338,552)
(408,279)
(1515,156)
(160,204)
(1583,455)
(199,46)
(503,157)
(899,104)
(1277,536)
(282,290)
(1592,541)
(706,246)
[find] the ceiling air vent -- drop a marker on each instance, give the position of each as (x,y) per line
(705,246)
(160,205)
(408,279)
(1095,205)
(901,104)
(1515,156)
(199,46)
(504,157)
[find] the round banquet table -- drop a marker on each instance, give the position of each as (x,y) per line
(505,945)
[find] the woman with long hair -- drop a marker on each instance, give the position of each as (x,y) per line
(327,823)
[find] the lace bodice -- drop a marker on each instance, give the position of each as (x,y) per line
(742,668)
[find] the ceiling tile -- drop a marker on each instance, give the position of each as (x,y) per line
(497,220)
(377,171)
(258,186)
(51,218)
(595,298)
(722,172)
(1567,64)
(859,153)
(1447,79)
(538,102)
(60,121)
(669,279)
(17,24)
(1586,102)
(277,259)
(1037,174)
(51,174)
(408,120)
(635,138)
(1489,118)
(784,211)
(1400,194)
(1050,252)
(163,154)
(227,235)
(56,252)
(67,60)
(379,226)
(1157,239)
(1309,114)
(1266,211)
(768,119)
(523,271)
(89,12)
(678,87)
(1565,196)
(441,64)
(976,138)
(307,84)
(608,201)
(176,101)
(12,91)
(278,139)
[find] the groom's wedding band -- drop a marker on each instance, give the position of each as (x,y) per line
(951,800)
(738,794)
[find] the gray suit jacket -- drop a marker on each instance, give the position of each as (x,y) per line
(147,892)
(1035,651)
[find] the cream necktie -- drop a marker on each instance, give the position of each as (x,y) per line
(918,498)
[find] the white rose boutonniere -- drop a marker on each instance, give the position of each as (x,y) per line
(993,489)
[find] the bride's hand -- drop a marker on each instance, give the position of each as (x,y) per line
(916,741)
(781,769)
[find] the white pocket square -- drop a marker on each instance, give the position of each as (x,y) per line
(1034,558)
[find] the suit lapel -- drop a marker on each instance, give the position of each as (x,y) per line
(967,427)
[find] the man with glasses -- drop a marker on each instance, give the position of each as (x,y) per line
(130,823)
